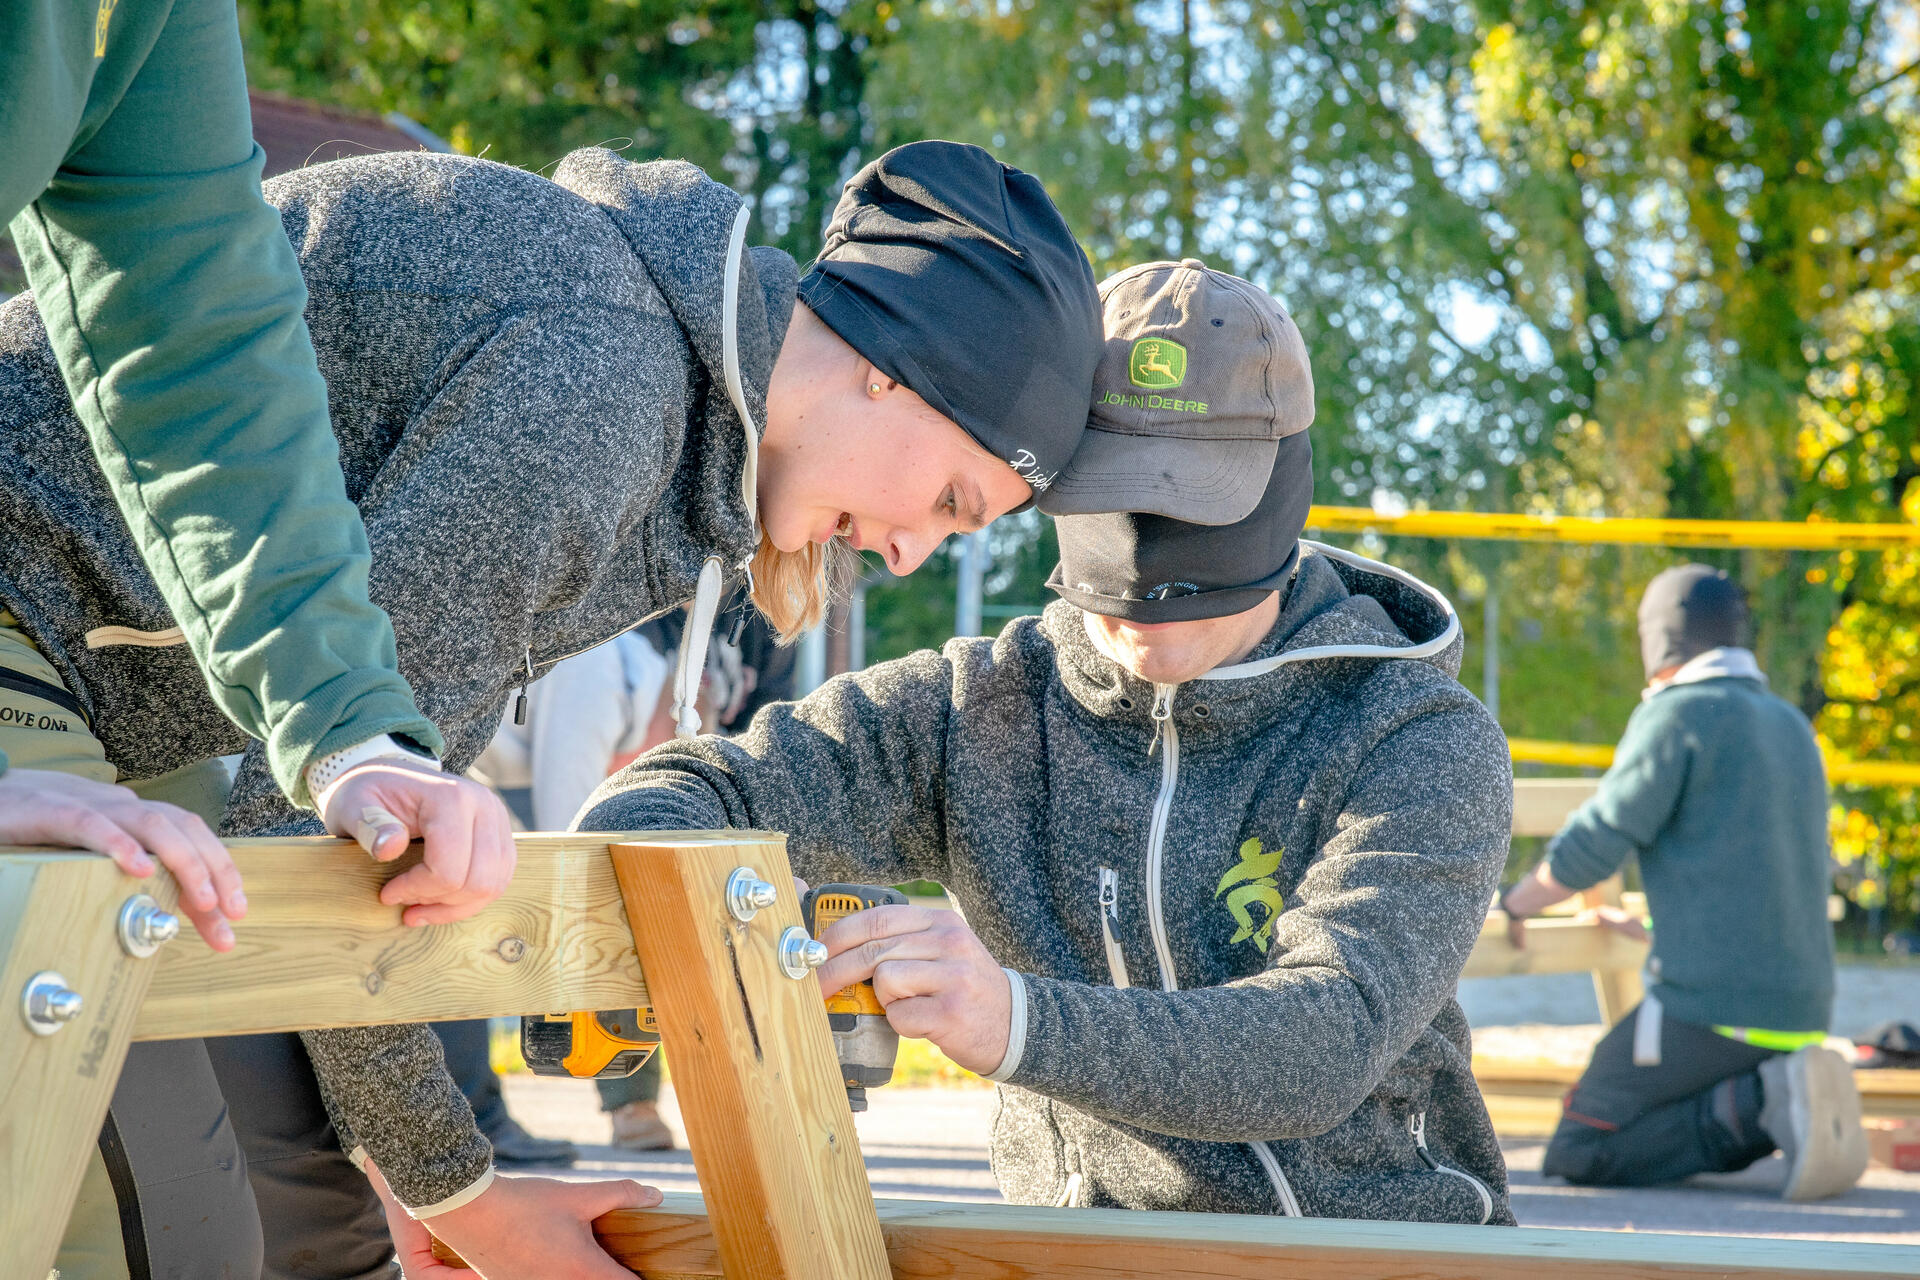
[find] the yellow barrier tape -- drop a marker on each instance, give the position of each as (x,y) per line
(1859,773)
(1762,534)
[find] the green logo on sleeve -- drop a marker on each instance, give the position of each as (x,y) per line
(1254,874)
(1157,363)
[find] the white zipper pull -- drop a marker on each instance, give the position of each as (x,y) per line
(1110,926)
(1162,712)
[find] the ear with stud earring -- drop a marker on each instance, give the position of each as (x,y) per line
(873,388)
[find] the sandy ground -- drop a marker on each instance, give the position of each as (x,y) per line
(932,1143)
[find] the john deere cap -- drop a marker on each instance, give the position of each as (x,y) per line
(1202,376)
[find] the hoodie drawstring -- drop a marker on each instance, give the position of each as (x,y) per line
(693,649)
(698,632)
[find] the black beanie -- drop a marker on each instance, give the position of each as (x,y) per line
(1147,568)
(955,274)
(1687,611)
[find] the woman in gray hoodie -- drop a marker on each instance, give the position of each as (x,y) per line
(562,407)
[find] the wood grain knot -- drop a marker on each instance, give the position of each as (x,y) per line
(512,949)
(374,983)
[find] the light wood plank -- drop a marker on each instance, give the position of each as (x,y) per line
(318,949)
(1541,805)
(1554,945)
(59,912)
(930,1240)
(1523,1095)
(753,1064)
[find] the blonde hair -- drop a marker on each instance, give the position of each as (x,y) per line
(792,589)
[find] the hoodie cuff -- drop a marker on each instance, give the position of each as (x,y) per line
(456,1200)
(1016,1028)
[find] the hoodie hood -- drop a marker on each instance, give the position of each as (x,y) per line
(689,232)
(1339,608)
(733,303)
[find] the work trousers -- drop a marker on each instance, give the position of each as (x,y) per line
(1696,1111)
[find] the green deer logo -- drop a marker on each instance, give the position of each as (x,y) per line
(1254,874)
(1157,363)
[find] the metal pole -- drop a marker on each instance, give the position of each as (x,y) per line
(1490,649)
(811,670)
(971,592)
(857,628)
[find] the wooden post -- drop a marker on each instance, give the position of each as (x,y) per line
(1616,990)
(59,912)
(753,1063)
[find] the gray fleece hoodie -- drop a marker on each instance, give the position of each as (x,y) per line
(1237,909)
(529,384)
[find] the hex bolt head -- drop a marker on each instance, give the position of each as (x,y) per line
(48,1003)
(748,894)
(144,927)
(800,954)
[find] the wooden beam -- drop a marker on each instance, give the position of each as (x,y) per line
(318,949)
(754,1069)
(1553,946)
(1541,805)
(929,1239)
(59,911)
(1523,1095)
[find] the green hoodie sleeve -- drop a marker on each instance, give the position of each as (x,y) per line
(1636,798)
(174,305)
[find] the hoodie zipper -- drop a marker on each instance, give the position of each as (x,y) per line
(1417,1126)
(1166,732)
(1110,926)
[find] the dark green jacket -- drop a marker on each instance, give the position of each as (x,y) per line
(173,302)
(1717,786)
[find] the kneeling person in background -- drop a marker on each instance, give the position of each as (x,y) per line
(1718,789)
(1223,824)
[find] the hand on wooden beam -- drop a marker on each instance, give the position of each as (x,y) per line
(39,806)
(470,855)
(517,1229)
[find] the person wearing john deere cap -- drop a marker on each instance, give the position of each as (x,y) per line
(1718,792)
(1222,823)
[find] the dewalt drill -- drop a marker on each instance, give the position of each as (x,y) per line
(589,1046)
(863,1039)
(611,1043)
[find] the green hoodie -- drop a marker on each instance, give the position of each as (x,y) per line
(1718,790)
(174,307)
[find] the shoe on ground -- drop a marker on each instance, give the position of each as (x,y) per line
(514,1145)
(637,1126)
(1812,1110)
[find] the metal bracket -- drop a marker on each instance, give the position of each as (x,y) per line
(48,1003)
(144,928)
(748,894)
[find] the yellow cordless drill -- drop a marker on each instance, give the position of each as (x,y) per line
(611,1043)
(602,1045)
(863,1039)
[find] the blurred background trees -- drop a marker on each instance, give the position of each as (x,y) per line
(1622,258)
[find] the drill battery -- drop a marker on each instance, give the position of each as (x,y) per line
(603,1045)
